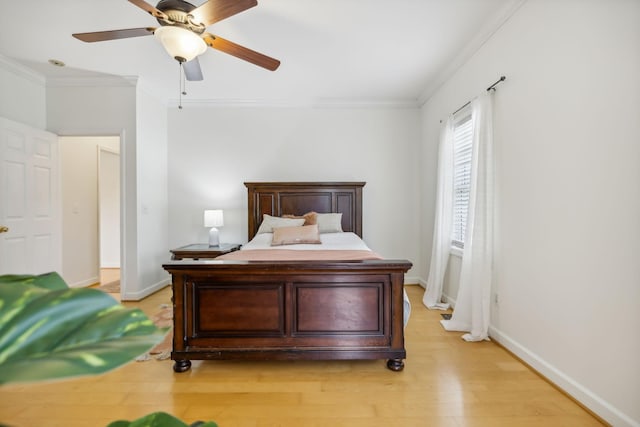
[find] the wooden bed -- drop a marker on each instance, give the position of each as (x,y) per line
(290,310)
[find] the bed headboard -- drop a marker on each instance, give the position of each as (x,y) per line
(298,198)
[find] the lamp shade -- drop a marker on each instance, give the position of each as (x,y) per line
(180,43)
(213,218)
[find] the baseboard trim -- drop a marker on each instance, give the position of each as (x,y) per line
(143,293)
(449,300)
(86,283)
(589,401)
(408,280)
(595,405)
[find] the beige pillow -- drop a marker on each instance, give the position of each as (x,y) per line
(310,218)
(270,222)
(330,222)
(295,235)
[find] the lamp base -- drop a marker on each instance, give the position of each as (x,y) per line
(214,238)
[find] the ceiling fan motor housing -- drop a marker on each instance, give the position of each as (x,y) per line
(178,13)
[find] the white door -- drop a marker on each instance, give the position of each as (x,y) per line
(29,200)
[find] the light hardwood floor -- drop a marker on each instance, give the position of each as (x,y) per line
(446,382)
(108,275)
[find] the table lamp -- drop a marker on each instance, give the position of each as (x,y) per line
(213,219)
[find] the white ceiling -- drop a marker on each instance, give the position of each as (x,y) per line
(357,50)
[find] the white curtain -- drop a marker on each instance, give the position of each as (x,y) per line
(441,246)
(471,313)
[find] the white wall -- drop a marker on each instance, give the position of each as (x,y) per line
(152,204)
(80,245)
(567,146)
(213,151)
(22,94)
(109,205)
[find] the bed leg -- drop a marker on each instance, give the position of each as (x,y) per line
(182,365)
(396,365)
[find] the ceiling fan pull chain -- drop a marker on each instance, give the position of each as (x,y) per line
(184,80)
(179,88)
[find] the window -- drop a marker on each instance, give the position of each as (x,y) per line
(462,150)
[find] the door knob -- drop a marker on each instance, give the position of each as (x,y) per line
(3,229)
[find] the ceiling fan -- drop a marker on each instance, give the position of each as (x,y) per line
(182,32)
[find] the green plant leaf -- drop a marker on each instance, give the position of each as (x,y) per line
(51,281)
(158,419)
(53,334)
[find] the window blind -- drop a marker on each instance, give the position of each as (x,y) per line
(462,151)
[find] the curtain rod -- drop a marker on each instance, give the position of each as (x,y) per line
(492,87)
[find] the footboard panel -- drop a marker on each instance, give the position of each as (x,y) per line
(287,310)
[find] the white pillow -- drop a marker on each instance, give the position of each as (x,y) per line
(330,222)
(270,222)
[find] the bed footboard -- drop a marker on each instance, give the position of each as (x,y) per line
(288,310)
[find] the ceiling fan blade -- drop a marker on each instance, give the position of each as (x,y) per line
(192,70)
(217,10)
(100,36)
(241,52)
(151,9)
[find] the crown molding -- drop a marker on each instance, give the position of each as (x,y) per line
(14,67)
(485,33)
(94,81)
(23,71)
(299,103)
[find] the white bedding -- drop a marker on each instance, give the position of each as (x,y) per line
(330,241)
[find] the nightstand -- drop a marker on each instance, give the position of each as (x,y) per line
(203,250)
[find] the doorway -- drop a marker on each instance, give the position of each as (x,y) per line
(91,204)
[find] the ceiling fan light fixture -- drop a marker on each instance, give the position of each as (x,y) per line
(180,43)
